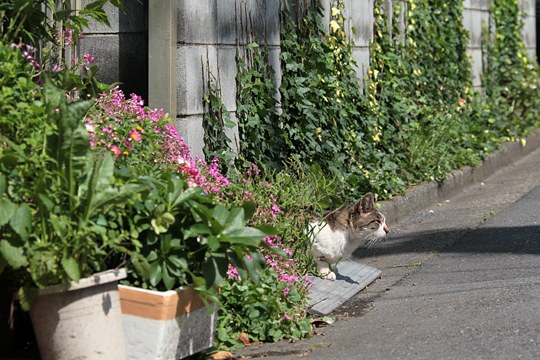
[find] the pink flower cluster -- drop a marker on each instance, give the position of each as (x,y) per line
(283,265)
(88,60)
(267,211)
(28,53)
(130,130)
(64,37)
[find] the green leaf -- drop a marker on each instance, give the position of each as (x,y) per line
(214,270)
(7,210)
(247,236)
(27,295)
(254,314)
(213,243)
(14,256)
(168,280)
(221,214)
(2,184)
(142,266)
(185,195)
(235,218)
(71,267)
(21,221)
(252,269)
(249,209)
(156,274)
(167,218)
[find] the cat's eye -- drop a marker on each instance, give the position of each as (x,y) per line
(375,224)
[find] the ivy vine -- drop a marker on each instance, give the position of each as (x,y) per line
(418,117)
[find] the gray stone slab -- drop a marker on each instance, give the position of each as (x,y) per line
(326,295)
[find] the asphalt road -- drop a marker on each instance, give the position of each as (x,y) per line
(460,280)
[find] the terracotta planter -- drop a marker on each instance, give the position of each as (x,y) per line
(165,324)
(81,320)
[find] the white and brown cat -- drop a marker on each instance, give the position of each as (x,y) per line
(342,231)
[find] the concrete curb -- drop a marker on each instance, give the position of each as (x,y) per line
(422,196)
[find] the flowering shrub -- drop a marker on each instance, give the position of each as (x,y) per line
(269,311)
(146,141)
(276,308)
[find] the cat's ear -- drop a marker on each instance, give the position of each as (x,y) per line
(367,204)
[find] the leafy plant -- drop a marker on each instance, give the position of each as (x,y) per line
(256,108)
(216,121)
(186,239)
(322,121)
(146,141)
(267,312)
(29,21)
(68,220)
(510,77)
(47,32)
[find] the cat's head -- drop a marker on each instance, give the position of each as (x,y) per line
(366,218)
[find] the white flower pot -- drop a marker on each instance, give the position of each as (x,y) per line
(80,320)
(165,325)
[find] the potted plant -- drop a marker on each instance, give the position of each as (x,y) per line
(185,242)
(186,245)
(62,218)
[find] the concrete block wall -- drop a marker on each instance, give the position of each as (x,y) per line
(476,13)
(528,10)
(121,50)
(209,32)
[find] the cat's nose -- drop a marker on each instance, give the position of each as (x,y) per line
(386,228)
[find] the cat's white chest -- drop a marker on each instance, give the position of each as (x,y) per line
(328,244)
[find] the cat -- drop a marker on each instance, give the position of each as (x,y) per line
(342,231)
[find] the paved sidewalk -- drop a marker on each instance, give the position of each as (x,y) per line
(460,280)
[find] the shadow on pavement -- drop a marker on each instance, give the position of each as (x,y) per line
(516,240)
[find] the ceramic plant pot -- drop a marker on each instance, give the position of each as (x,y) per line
(165,325)
(80,320)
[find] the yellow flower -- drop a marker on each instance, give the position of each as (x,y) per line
(377,136)
(334,25)
(335,11)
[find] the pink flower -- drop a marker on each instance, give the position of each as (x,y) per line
(88,60)
(286,292)
(232,272)
(116,150)
(135,135)
(287,317)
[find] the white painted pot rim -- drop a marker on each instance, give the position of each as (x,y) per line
(103,277)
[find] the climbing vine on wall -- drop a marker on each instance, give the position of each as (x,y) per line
(323,118)
(510,78)
(256,108)
(418,117)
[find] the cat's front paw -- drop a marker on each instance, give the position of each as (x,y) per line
(329,276)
